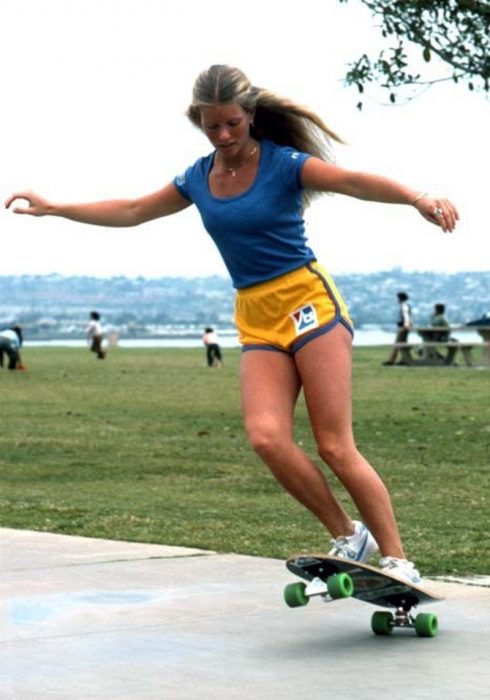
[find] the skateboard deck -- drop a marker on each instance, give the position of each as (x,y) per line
(333,578)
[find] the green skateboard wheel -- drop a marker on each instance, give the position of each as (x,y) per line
(340,586)
(426,625)
(382,623)
(294,595)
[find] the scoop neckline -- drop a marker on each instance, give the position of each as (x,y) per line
(240,194)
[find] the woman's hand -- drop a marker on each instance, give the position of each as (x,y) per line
(440,212)
(37,206)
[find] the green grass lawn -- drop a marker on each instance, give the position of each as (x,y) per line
(149,446)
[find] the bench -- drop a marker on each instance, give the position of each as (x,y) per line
(429,353)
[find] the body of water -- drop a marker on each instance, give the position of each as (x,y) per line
(362,337)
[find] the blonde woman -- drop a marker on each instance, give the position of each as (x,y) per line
(269,157)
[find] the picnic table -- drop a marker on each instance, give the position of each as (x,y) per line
(431,351)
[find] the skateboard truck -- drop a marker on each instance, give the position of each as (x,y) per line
(316,587)
(335,587)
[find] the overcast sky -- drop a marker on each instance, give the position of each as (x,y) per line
(94,94)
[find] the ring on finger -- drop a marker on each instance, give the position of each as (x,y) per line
(437,211)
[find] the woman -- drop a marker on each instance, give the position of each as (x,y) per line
(270,157)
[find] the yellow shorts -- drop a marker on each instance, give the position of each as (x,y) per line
(286,312)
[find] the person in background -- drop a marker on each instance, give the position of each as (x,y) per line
(213,350)
(10,343)
(270,157)
(439,320)
(95,335)
(404,324)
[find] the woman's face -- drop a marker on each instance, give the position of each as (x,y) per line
(227,127)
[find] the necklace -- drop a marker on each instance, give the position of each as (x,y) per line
(232,171)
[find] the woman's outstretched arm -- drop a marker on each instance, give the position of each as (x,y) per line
(325,177)
(115,212)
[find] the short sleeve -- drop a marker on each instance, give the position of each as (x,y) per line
(181,182)
(290,163)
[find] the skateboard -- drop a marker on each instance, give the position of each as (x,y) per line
(333,578)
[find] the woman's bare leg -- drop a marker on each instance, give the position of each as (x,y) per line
(324,366)
(269,388)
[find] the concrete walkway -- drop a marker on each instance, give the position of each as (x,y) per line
(87,619)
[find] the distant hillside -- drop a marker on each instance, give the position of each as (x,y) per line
(372,298)
(54,306)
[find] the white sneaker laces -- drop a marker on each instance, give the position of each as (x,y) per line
(400,566)
(394,563)
(341,547)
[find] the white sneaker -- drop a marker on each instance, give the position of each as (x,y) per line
(359,547)
(401,568)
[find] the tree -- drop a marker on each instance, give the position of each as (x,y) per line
(455,31)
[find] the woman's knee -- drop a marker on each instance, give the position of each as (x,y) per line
(266,438)
(338,453)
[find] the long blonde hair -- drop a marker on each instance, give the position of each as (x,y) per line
(276,118)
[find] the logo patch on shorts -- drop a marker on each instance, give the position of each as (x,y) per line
(305,319)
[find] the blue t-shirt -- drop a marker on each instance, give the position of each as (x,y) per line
(260,233)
